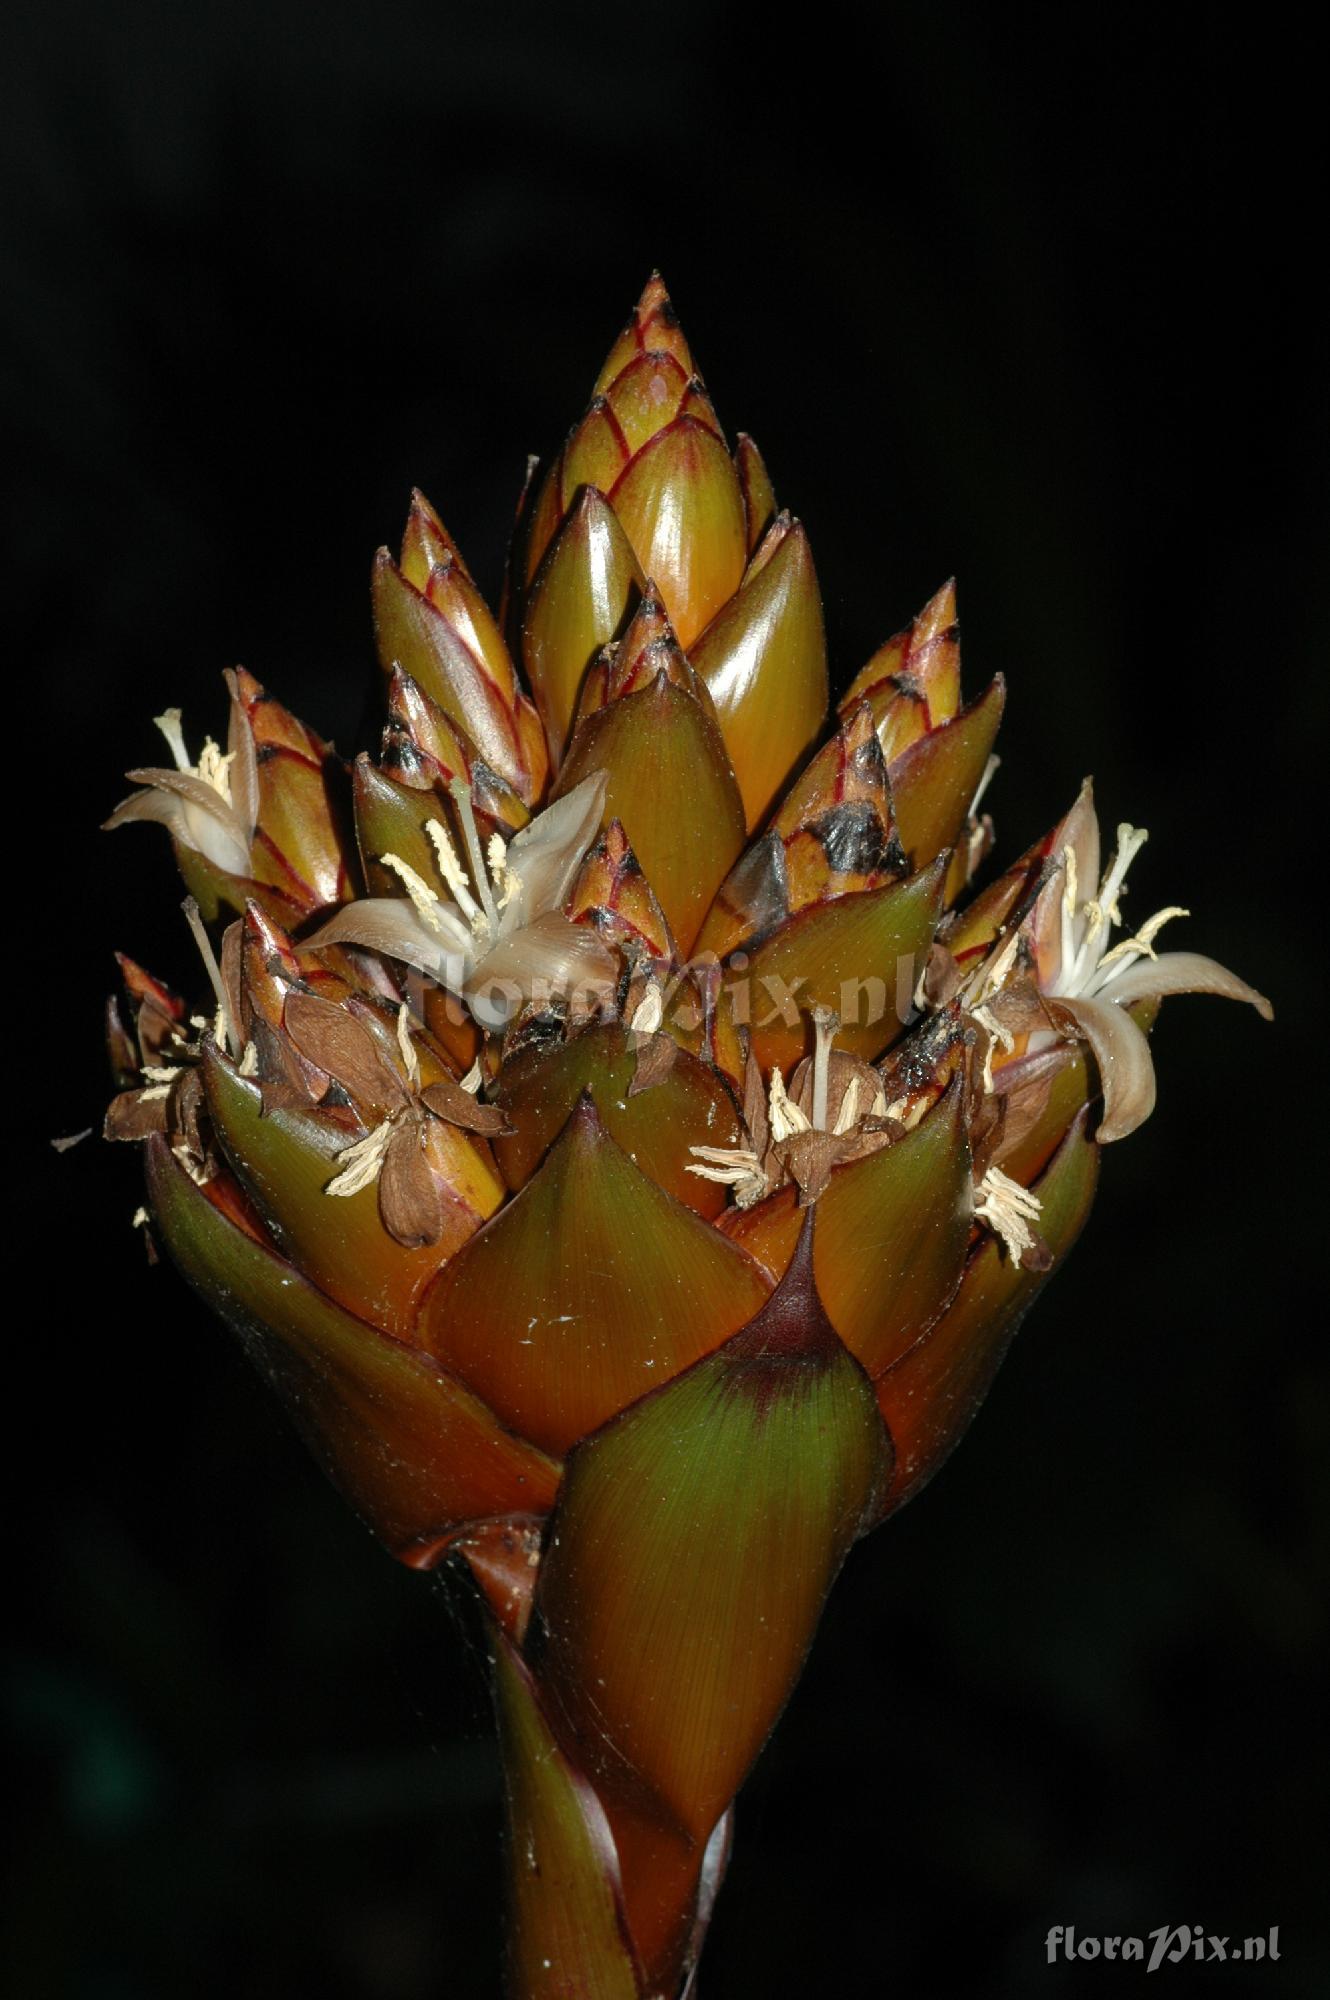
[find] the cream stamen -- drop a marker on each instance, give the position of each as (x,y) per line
(418,889)
(1008,1209)
(999,1037)
(848,1115)
(360,1163)
(989,978)
(649,1012)
(733,1167)
(784,1115)
(1142,944)
(1131,839)
(454,875)
(505,879)
(215,768)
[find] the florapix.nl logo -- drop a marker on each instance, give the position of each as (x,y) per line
(1170,1944)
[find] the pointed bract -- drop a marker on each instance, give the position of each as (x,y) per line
(415,1454)
(935,780)
(913,683)
(477,692)
(680,506)
(891,1236)
(861,956)
(653,327)
(286,1161)
(764,660)
(930,1397)
(758,492)
(705,1526)
(566,1925)
(540,1089)
(669,783)
(580,599)
(592,1287)
(613,894)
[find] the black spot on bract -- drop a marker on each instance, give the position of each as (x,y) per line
(853,837)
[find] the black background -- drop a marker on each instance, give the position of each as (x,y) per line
(1030,296)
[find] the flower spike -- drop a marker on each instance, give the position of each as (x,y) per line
(613,1123)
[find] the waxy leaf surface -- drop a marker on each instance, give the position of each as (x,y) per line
(285,1161)
(764,658)
(934,781)
(589,1289)
(539,1090)
(579,600)
(671,786)
(892,1231)
(932,1394)
(680,506)
(415,1453)
(860,956)
(566,1933)
(692,1551)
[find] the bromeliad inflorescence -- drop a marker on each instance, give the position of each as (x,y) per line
(590,1055)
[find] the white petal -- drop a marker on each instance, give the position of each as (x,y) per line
(194,812)
(221,843)
(1126,1070)
(546,855)
(389,924)
(162,808)
(551,958)
(1182,972)
(185,785)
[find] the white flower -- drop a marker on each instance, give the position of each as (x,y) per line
(1087,981)
(211,806)
(502,935)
